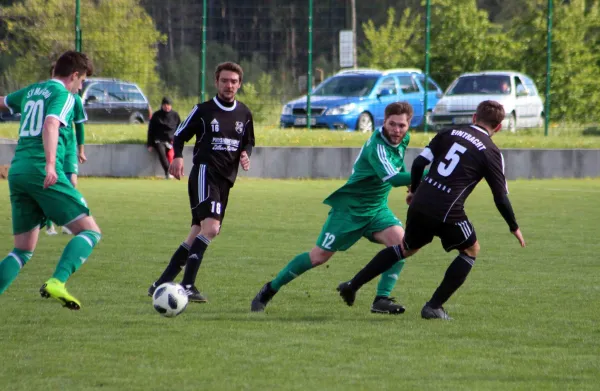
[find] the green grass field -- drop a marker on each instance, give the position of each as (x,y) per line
(560,136)
(526,319)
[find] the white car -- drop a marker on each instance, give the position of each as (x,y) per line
(515,91)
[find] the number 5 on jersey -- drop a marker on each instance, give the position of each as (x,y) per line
(453,158)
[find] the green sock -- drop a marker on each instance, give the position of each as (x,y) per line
(48,223)
(297,266)
(75,254)
(388,279)
(11,266)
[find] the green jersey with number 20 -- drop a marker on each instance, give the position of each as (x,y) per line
(35,103)
(367,189)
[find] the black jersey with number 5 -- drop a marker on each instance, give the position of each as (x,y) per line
(223,130)
(460,158)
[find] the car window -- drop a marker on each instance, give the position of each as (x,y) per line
(408,84)
(346,86)
(431,86)
(121,92)
(520,87)
(98,91)
(481,84)
(388,84)
(530,86)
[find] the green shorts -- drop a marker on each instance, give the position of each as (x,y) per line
(32,204)
(342,230)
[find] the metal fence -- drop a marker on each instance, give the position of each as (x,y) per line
(289,47)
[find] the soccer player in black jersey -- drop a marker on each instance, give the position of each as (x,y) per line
(460,158)
(224,139)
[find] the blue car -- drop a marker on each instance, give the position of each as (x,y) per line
(356,99)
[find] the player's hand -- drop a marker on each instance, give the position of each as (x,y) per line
(409,197)
(51,176)
(519,237)
(81,156)
(245,161)
(176,167)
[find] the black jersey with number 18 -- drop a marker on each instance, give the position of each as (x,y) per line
(460,158)
(223,130)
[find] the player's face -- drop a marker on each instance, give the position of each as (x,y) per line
(395,127)
(75,82)
(228,85)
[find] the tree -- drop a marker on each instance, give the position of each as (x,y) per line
(118,35)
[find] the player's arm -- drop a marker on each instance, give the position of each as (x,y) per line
(248,139)
(417,170)
(59,109)
(186,130)
(12,102)
(495,178)
(3,105)
(79,118)
(384,168)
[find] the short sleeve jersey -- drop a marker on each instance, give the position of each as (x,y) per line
(35,103)
(79,116)
(368,187)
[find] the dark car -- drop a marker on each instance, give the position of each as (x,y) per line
(112,100)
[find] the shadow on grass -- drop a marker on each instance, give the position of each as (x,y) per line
(591,131)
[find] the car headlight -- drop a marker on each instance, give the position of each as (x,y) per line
(287,110)
(341,110)
(440,109)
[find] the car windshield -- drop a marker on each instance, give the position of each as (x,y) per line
(346,86)
(481,84)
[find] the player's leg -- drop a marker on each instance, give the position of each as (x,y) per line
(420,230)
(455,236)
(383,302)
(27,217)
(339,233)
(50,228)
(178,259)
(67,207)
(213,194)
(71,169)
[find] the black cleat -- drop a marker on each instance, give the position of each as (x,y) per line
(194,294)
(152,289)
(386,305)
(262,298)
(429,312)
(347,292)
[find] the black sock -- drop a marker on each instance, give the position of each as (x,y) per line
(455,275)
(175,265)
(380,263)
(194,260)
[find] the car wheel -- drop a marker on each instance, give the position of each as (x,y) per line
(512,122)
(364,123)
(136,119)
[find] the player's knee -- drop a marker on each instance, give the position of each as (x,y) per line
(318,256)
(472,251)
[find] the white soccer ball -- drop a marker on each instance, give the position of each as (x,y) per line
(169,299)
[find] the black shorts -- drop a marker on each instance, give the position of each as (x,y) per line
(421,228)
(208,193)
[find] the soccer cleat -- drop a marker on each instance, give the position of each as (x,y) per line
(347,292)
(194,294)
(152,289)
(262,298)
(51,230)
(66,231)
(56,289)
(429,312)
(386,305)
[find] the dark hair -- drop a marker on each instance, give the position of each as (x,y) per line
(490,113)
(399,108)
(70,62)
(229,66)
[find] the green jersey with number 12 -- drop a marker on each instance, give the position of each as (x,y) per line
(35,103)
(367,189)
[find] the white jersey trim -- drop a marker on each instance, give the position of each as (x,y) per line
(187,120)
(224,107)
(427,154)
(389,169)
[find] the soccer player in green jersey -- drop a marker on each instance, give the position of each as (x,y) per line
(39,188)
(360,209)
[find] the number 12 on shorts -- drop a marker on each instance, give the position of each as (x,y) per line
(215,207)
(329,239)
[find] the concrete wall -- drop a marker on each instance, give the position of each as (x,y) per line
(128,160)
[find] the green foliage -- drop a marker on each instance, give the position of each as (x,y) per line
(395,44)
(261,98)
(119,37)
